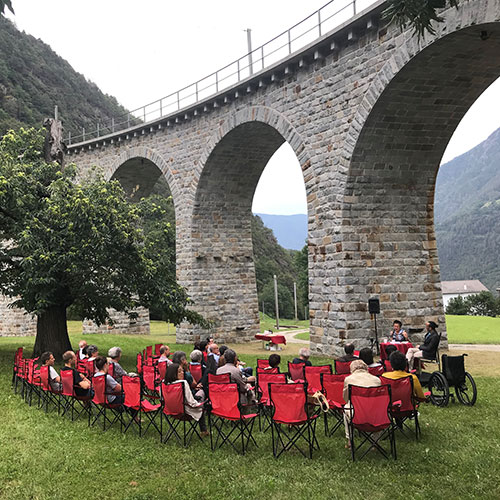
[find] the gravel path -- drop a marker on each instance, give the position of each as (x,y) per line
(473,347)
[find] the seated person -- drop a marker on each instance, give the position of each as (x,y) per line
(349,354)
(81,346)
(164,354)
(426,350)
(366,355)
(192,407)
(92,352)
(115,353)
(274,362)
(398,334)
(389,350)
(213,350)
(361,377)
(47,359)
(304,354)
(196,356)
(113,388)
(398,363)
(180,358)
(81,384)
(247,395)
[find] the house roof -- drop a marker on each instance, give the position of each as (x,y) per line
(468,286)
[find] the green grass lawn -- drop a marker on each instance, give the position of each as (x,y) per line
(48,457)
(473,329)
(303,336)
(268,323)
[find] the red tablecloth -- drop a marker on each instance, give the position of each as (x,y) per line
(275,339)
(400,346)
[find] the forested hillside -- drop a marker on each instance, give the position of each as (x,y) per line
(33,79)
(467,215)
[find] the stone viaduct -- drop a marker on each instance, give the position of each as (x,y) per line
(369,110)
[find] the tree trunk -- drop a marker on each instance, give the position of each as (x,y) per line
(52,333)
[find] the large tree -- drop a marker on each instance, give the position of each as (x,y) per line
(79,244)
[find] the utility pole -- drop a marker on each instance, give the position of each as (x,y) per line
(295,299)
(276,302)
(250,55)
(263,311)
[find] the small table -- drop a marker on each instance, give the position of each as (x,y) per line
(400,346)
(273,339)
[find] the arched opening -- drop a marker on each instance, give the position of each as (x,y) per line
(388,207)
(223,281)
(143,182)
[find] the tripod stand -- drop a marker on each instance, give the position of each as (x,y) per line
(374,341)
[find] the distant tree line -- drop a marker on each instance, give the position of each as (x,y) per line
(481,304)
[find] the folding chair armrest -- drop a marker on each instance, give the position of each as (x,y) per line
(397,404)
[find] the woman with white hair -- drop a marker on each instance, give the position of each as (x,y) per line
(304,354)
(115,353)
(362,378)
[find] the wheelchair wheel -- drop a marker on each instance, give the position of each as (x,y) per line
(467,392)
(440,391)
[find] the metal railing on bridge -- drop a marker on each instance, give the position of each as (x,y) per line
(280,47)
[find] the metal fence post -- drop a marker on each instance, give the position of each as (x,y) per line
(83,133)
(69,137)
(289,42)
(216,81)
(112,124)
(319,22)
(354,6)
(178,101)
(98,133)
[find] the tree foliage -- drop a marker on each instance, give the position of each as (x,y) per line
(419,14)
(480,304)
(80,244)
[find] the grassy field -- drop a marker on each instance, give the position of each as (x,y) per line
(473,330)
(268,323)
(48,457)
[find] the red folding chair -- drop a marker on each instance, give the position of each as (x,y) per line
(332,387)
(111,369)
(262,387)
(268,370)
(262,363)
(137,405)
(138,365)
(387,365)
(369,413)
(157,349)
(196,372)
(89,368)
(149,355)
(175,415)
(313,376)
(71,398)
(291,421)
(378,371)
(225,406)
(223,378)
(404,406)
(296,371)
(34,384)
(101,404)
(151,381)
(162,369)
(342,367)
(18,356)
(49,394)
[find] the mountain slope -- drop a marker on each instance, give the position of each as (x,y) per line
(469,181)
(33,79)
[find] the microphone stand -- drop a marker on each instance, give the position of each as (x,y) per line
(374,342)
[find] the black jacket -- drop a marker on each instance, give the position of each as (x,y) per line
(430,345)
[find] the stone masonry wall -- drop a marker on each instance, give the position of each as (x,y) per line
(368,111)
(15,321)
(122,324)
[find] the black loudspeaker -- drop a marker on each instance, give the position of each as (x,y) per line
(374,306)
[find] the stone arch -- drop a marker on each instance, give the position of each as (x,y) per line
(221,277)
(392,153)
(152,158)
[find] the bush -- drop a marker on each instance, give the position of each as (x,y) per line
(480,304)
(457,306)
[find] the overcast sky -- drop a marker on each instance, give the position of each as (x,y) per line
(140,51)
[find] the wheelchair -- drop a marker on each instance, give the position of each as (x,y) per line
(451,373)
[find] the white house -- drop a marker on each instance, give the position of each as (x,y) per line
(452,289)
